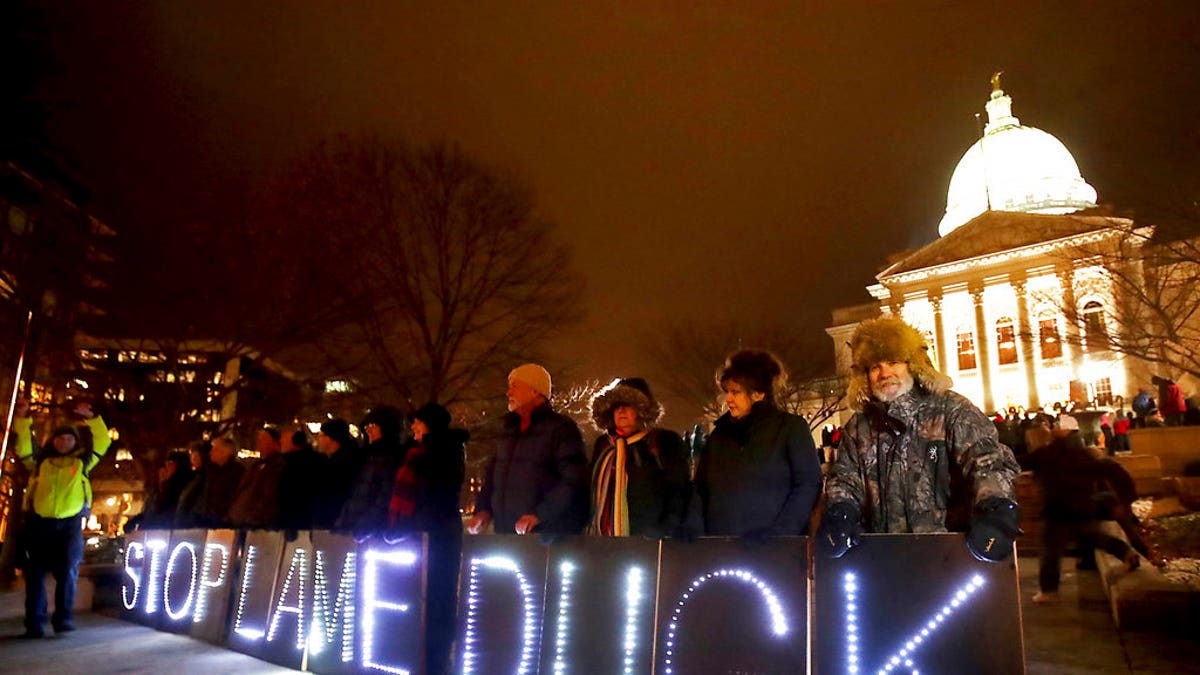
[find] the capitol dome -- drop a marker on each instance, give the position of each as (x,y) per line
(1014,168)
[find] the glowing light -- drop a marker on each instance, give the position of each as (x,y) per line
(156,547)
(297,570)
(208,585)
(563,628)
(133,550)
(903,656)
(191,593)
(530,610)
(325,624)
(779,626)
(371,603)
(633,596)
(247,579)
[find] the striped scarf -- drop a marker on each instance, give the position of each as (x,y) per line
(609,479)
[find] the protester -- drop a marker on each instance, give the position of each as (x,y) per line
(365,512)
(1068,475)
(758,475)
(299,480)
(257,502)
(58,496)
(536,481)
(916,457)
(206,500)
(344,462)
(1171,403)
(174,474)
(639,471)
(425,499)
(1120,433)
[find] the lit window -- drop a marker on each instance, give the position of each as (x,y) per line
(1104,391)
(966,350)
(1093,324)
(1006,341)
(1048,338)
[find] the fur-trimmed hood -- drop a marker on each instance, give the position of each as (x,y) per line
(888,338)
(633,392)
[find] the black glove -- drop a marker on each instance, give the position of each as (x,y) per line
(757,537)
(840,529)
(993,529)
(363,536)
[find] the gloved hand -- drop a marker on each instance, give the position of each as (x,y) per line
(757,537)
(993,529)
(363,536)
(840,529)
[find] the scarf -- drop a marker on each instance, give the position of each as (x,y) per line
(404,490)
(611,480)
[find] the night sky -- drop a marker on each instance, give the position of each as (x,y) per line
(717,161)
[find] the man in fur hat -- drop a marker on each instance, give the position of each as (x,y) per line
(916,457)
(639,472)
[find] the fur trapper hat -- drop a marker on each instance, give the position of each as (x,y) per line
(631,391)
(888,338)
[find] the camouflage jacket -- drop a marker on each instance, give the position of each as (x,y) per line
(920,464)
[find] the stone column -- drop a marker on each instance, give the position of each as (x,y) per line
(1073,344)
(939,332)
(983,359)
(1025,340)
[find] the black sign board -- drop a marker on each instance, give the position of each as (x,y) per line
(391,592)
(254,592)
(218,566)
(916,603)
(501,589)
(331,643)
(726,608)
(182,561)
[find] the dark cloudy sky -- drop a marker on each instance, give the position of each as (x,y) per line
(703,159)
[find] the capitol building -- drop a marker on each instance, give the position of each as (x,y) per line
(994,293)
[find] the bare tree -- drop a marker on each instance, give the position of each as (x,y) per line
(449,274)
(689,354)
(1153,278)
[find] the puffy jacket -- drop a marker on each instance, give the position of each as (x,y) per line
(756,474)
(541,470)
(60,487)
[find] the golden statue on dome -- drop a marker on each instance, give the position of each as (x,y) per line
(996,80)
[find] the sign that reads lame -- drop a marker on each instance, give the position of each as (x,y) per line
(322,603)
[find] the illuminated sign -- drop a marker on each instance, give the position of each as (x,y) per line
(218,564)
(916,604)
(322,603)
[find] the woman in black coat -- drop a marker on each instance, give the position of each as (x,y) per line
(758,474)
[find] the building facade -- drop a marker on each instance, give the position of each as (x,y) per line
(1013,298)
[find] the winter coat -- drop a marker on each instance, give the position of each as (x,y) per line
(1069,476)
(757,474)
(541,471)
(60,487)
(657,486)
(920,463)
(257,502)
(366,509)
(1171,401)
(160,508)
(206,501)
(299,484)
(435,471)
(336,484)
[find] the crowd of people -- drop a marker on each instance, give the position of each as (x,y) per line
(915,457)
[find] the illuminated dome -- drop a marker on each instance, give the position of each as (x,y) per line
(1013,168)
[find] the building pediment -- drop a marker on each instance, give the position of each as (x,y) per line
(996,233)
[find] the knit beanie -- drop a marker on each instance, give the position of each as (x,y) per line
(537,377)
(434,416)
